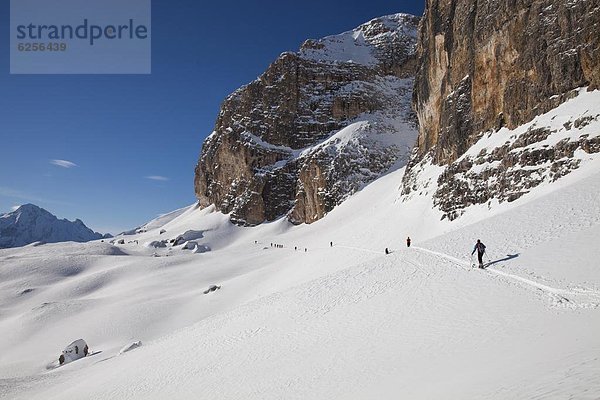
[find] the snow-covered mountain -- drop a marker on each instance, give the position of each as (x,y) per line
(316,127)
(191,305)
(320,310)
(30,223)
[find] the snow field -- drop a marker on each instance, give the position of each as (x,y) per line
(345,321)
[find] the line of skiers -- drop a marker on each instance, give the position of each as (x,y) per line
(280,246)
(479,248)
(388,251)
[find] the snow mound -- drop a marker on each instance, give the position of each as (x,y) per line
(187,236)
(155,244)
(163,219)
(201,248)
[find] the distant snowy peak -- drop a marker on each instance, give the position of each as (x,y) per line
(366,44)
(30,223)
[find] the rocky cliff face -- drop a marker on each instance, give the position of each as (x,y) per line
(486,65)
(315,127)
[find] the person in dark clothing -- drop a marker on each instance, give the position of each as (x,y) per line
(408,241)
(387,251)
(480,249)
(330,244)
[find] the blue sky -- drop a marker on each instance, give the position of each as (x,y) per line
(134,140)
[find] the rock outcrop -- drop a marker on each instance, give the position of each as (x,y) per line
(315,127)
(485,65)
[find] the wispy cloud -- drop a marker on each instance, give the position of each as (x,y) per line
(157,178)
(63,163)
(14,208)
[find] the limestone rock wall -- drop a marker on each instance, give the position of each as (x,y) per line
(484,64)
(488,68)
(315,127)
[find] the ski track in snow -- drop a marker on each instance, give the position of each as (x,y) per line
(577,297)
(552,227)
(346,321)
(379,293)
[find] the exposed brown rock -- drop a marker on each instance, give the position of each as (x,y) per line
(484,64)
(513,169)
(265,158)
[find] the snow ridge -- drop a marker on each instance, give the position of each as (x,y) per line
(363,44)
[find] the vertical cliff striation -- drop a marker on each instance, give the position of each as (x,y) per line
(485,64)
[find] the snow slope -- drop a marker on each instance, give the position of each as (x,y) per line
(343,321)
(333,322)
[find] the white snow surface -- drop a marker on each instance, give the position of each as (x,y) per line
(343,321)
(559,121)
(355,46)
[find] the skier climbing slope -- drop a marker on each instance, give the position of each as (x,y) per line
(480,248)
